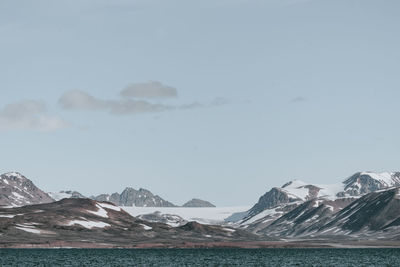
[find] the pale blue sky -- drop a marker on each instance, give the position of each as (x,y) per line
(267,91)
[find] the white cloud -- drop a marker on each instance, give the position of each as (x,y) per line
(29,115)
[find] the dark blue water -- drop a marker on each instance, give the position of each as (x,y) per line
(200,257)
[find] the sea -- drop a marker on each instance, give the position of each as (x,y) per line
(200,257)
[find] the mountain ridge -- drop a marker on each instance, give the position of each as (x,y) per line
(298,191)
(89,223)
(291,209)
(17,190)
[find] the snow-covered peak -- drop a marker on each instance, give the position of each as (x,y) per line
(297,189)
(356,185)
(14,175)
(386,178)
(366,182)
(17,190)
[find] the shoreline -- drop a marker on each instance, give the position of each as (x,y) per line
(208,245)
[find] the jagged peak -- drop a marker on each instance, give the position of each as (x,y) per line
(128,188)
(385,178)
(144,190)
(13,174)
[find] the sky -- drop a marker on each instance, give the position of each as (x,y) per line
(213,99)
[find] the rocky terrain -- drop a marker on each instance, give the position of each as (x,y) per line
(89,223)
(363,208)
(128,198)
(297,207)
(170,219)
(132,197)
(375,216)
(17,190)
(198,203)
(298,191)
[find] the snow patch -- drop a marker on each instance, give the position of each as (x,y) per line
(28,227)
(229,230)
(7,216)
(29,230)
(89,224)
(146,227)
(100,211)
(109,206)
(261,215)
(299,190)
(17,195)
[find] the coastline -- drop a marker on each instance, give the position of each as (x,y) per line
(205,245)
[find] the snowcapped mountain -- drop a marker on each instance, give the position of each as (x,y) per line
(132,197)
(295,192)
(17,190)
(366,182)
(279,206)
(300,217)
(375,215)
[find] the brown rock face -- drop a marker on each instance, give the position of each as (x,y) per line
(17,190)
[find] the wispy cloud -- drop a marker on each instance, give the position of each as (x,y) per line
(29,115)
(299,99)
(151,89)
(84,101)
(136,98)
(76,99)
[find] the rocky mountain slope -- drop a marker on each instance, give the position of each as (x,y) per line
(297,192)
(89,223)
(296,221)
(198,203)
(297,207)
(366,182)
(376,215)
(132,197)
(17,190)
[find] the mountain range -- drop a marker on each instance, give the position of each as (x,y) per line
(299,209)
(364,207)
(17,190)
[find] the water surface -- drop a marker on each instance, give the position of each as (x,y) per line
(200,257)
